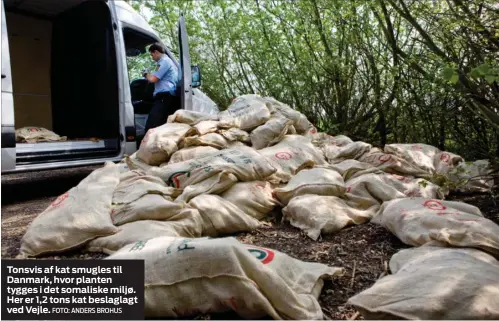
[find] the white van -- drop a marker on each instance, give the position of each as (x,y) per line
(64,68)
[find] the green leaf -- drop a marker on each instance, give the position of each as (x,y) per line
(447,73)
(490,78)
(454,78)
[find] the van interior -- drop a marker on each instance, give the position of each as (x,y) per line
(64,77)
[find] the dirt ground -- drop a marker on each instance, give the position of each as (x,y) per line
(364,250)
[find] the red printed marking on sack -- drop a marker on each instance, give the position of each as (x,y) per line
(399,178)
(349,188)
(446,213)
(416,147)
(434,205)
(33,129)
(384,158)
(59,200)
(264,255)
(467,220)
(283,156)
(146,137)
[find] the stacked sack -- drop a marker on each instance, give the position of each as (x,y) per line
(200,178)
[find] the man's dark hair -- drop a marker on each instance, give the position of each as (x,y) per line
(157,46)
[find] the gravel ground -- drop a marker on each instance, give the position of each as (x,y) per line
(364,250)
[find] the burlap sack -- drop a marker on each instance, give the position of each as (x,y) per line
(189,117)
(135,184)
(336,154)
(434,283)
(473,176)
(281,109)
(253,198)
(235,134)
(134,163)
(187,223)
(316,214)
(206,126)
(244,162)
(393,164)
(75,217)
(317,181)
(416,221)
(426,157)
(189,153)
(188,277)
(37,134)
(270,133)
(161,142)
(304,127)
(221,217)
(215,184)
(246,112)
(291,155)
(352,168)
(212,139)
(320,139)
(413,187)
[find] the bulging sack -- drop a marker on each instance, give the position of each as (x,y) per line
(135,184)
(244,162)
(190,117)
(317,181)
(187,277)
(426,157)
(291,155)
(186,224)
(270,133)
(235,134)
(75,217)
(253,198)
(221,217)
(392,164)
(206,126)
(430,283)
(316,214)
(245,112)
(189,153)
(337,154)
(161,142)
(417,221)
(212,139)
(37,134)
(352,168)
(134,163)
(215,184)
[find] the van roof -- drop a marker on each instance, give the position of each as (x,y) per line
(127,14)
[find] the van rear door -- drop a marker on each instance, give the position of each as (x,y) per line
(8,129)
(185,66)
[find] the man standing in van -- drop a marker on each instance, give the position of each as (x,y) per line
(165,79)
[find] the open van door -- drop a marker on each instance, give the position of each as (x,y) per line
(185,66)
(8,129)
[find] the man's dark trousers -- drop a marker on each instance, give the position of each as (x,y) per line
(165,104)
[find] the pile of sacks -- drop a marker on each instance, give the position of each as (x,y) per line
(200,178)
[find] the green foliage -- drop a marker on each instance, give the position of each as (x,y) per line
(381,71)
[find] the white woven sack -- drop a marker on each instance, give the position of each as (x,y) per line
(270,133)
(188,277)
(190,117)
(134,163)
(221,217)
(336,154)
(215,184)
(189,153)
(212,139)
(37,134)
(291,155)
(75,217)
(316,214)
(413,187)
(188,223)
(426,157)
(245,112)
(417,221)
(434,283)
(253,198)
(318,181)
(244,162)
(161,142)
(392,164)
